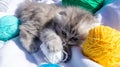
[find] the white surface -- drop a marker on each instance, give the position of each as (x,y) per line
(49,1)
(13,4)
(1,43)
(14,55)
(110,14)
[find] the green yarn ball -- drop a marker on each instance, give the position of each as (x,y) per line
(8,27)
(89,5)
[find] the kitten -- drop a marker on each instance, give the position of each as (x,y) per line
(58,27)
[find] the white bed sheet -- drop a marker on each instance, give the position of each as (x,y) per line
(14,55)
(110,14)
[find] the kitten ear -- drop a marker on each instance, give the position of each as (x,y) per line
(61,17)
(62,13)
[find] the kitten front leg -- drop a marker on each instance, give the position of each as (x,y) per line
(27,39)
(52,41)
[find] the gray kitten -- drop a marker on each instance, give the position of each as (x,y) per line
(58,27)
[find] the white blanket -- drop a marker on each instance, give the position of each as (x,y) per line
(14,55)
(110,14)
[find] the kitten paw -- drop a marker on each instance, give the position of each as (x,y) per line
(52,57)
(54,45)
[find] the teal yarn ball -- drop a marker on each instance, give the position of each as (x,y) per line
(8,27)
(49,65)
(89,5)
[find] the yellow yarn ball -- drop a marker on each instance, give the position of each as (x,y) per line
(103,46)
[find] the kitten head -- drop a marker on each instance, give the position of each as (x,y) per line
(76,21)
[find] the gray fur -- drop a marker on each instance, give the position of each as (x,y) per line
(54,25)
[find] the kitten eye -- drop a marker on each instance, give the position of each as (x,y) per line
(64,43)
(74,39)
(63,13)
(64,34)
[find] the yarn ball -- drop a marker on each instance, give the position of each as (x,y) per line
(49,65)
(103,45)
(89,5)
(8,27)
